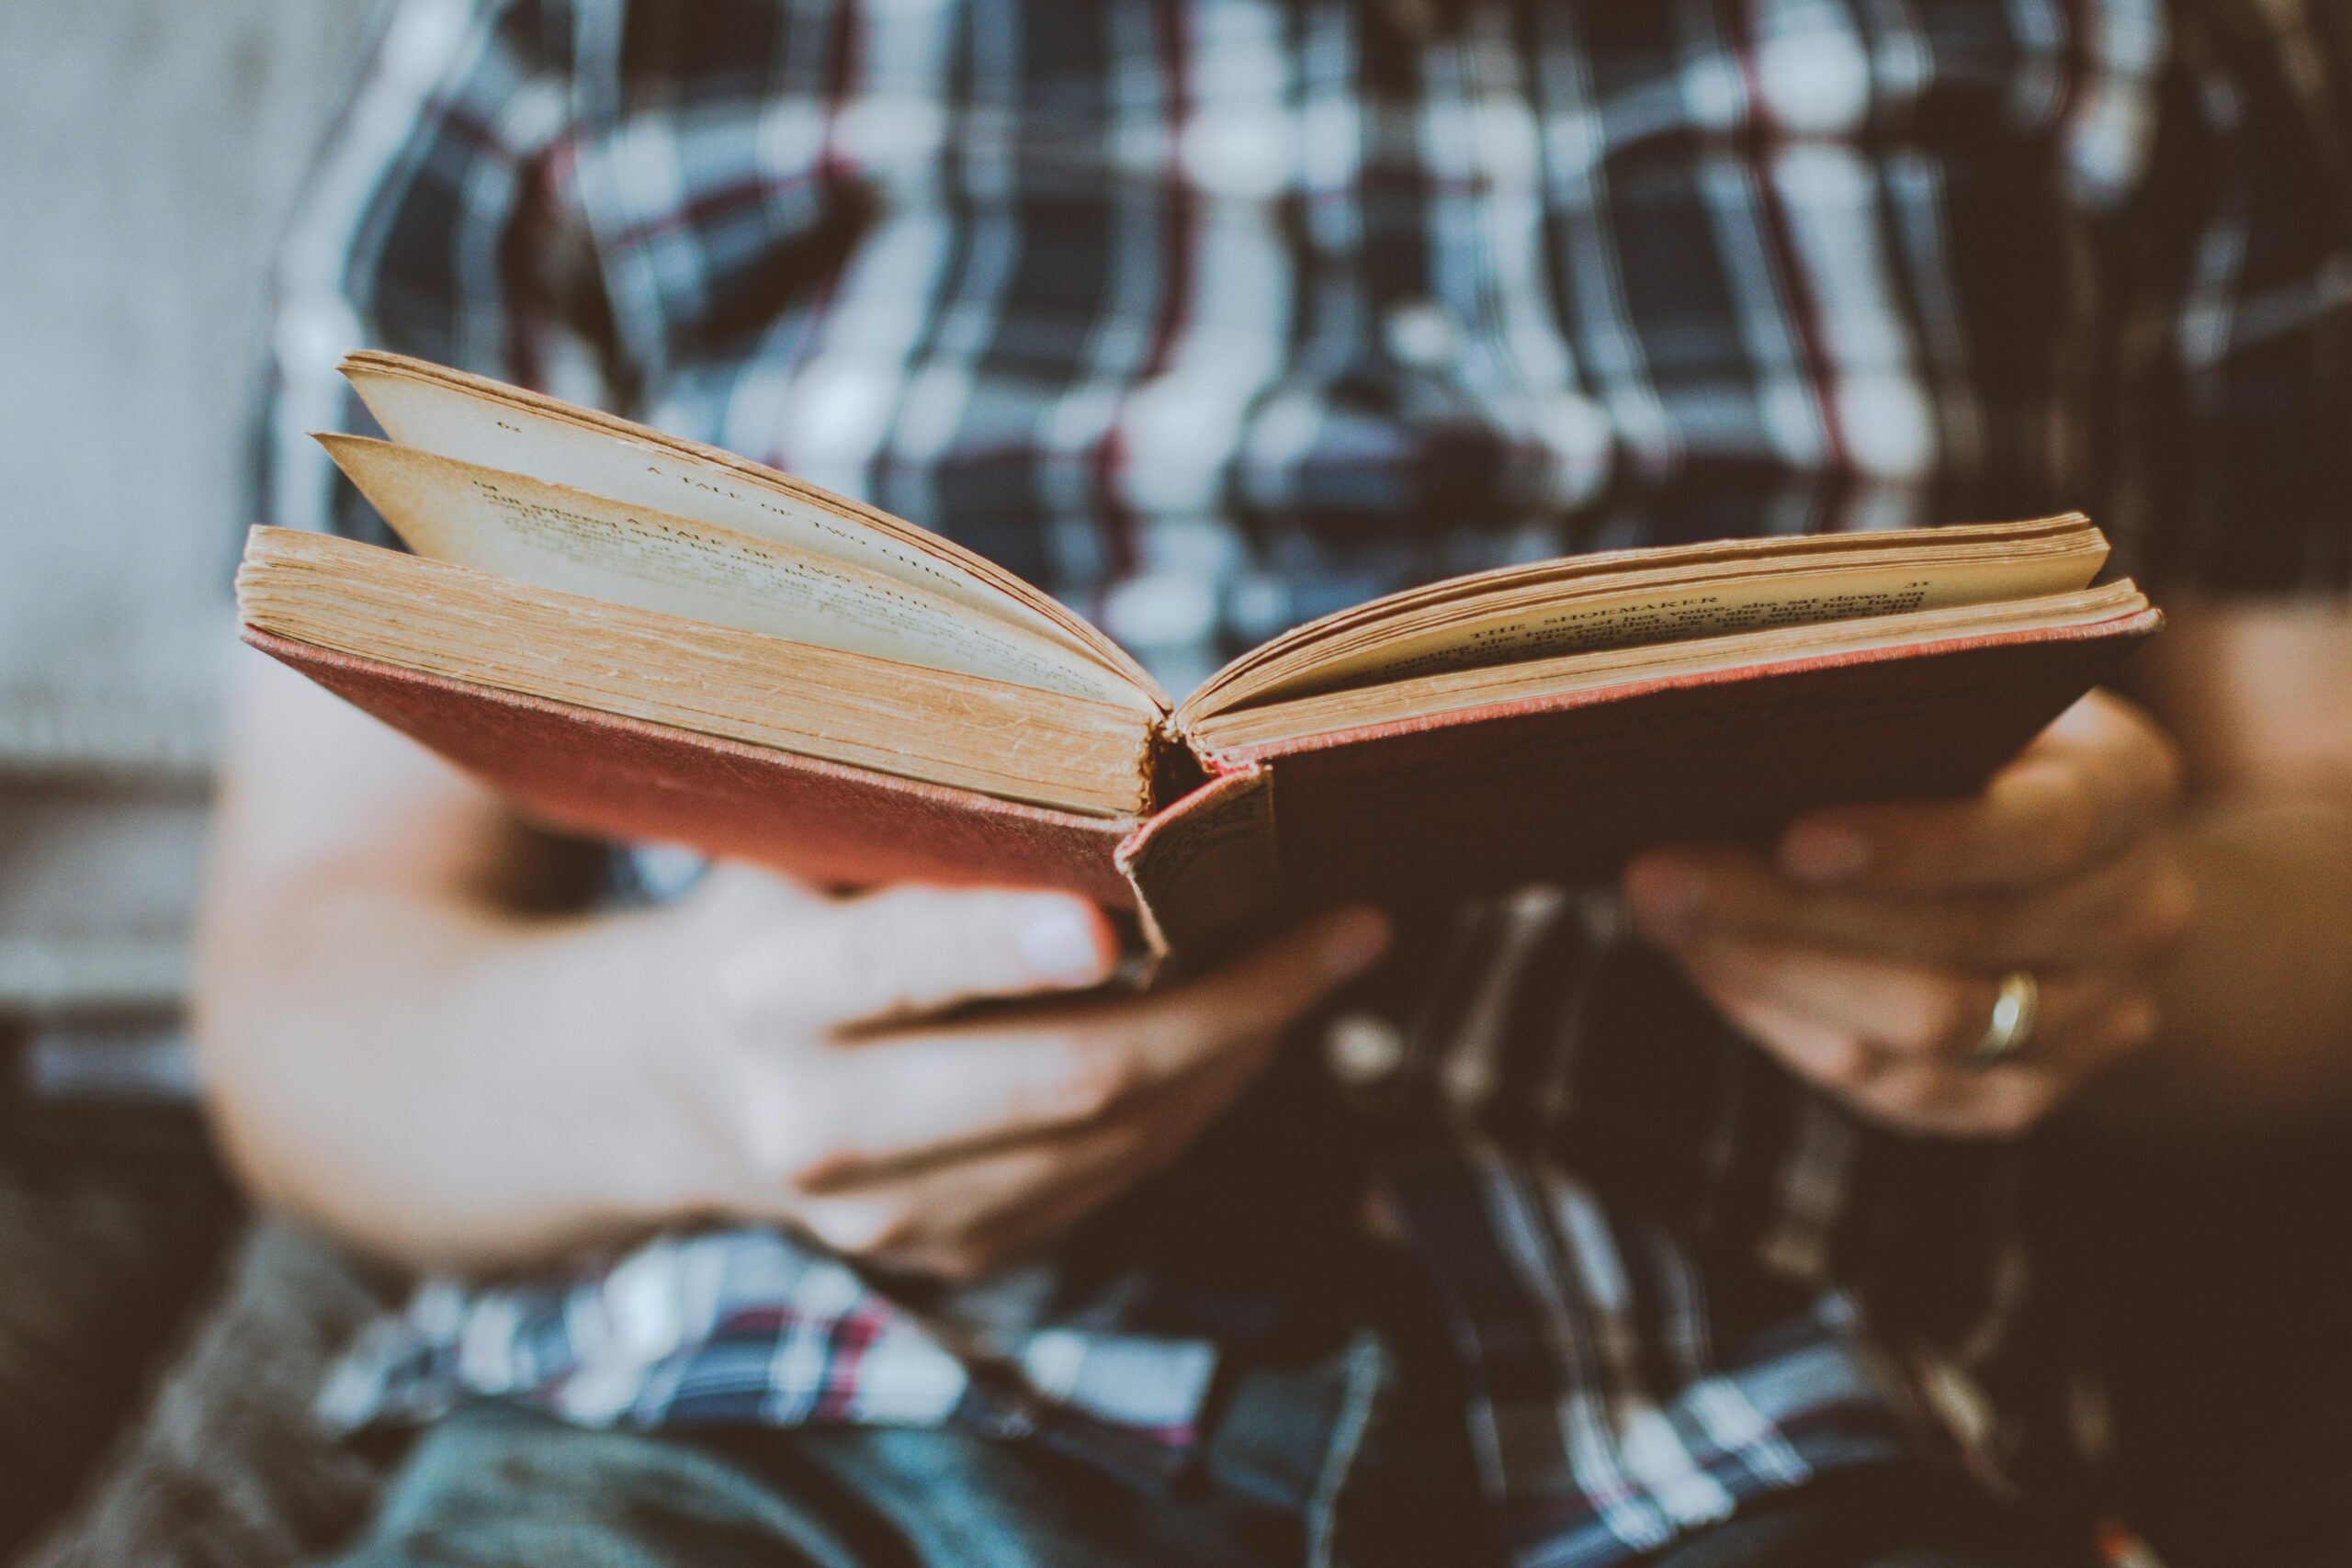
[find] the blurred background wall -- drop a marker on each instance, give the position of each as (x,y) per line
(148,151)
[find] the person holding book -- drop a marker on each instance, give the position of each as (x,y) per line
(1672,1220)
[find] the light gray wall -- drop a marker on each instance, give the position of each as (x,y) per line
(147,151)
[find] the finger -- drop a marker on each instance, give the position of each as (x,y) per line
(1160,1135)
(921,1218)
(2127,911)
(908,951)
(930,1095)
(961,1217)
(1265,990)
(2095,780)
(1835,1057)
(1924,1095)
(1905,1009)
(1116,1047)
(747,895)
(1012,1231)
(1931,1099)
(913,1105)
(1916,1096)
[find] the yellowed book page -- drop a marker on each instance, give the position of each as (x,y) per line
(449,621)
(520,529)
(1561,578)
(1724,558)
(1331,712)
(1703,603)
(470,420)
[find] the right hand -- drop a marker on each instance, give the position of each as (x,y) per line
(837,1102)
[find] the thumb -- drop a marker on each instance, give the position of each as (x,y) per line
(907,951)
(733,896)
(1277,982)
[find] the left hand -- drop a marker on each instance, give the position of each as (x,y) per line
(1867,951)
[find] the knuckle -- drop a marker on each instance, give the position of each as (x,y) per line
(1976,926)
(1900,1105)
(1094,1080)
(1948,1017)
(755,983)
(1914,1101)
(2165,762)
(904,908)
(793,1148)
(860,1229)
(2007,1115)
(815,1169)
(859,948)
(1843,1059)
(2167,910)
(2028,1106)
(962,1263)
(1929,846)
(2071,824)
(1169,1038)
(2131,1023)
(1895,1093)
(1018,941)
(771,1145)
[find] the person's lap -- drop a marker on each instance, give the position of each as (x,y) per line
(497,1487)
(1290,1478)
(2222,1298)
(1895,1517)
(491,1484)
(920,1498)
(1307,1465)
(1328,1462)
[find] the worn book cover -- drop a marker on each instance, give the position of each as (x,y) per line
(638,637)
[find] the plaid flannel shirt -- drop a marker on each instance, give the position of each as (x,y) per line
(1212,315)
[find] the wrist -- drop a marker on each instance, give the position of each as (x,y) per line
(641,987)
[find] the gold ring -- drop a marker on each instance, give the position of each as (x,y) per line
(2015,1008)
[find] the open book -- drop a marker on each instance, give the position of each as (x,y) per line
(636,636)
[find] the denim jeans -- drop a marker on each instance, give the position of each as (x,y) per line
(1335,1463)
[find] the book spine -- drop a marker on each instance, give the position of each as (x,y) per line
(1208,869)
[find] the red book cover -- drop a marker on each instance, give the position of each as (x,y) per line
(605,777)
(1464,802)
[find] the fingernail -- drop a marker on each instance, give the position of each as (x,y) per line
(1667,891)
(1060,944)
(1819,852)
(1355,942)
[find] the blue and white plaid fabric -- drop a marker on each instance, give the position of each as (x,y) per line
(1212,315)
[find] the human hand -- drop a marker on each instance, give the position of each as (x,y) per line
(1868,951)
(835,1100)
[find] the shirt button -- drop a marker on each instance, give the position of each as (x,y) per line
(1364,1050)
(1422,334)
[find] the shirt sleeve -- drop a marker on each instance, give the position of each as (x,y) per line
(2243,444)
(438,221)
